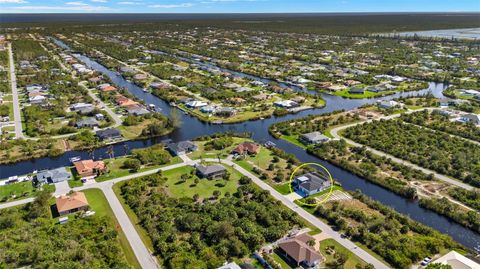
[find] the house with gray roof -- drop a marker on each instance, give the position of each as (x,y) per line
(211,171)
(356,90)
(87,123)
(53,176)
(311,183)
(109,134)
(182,147)
(82,108)
(313,138)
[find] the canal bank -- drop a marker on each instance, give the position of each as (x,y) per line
(192,128)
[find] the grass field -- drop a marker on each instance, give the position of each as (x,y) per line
(352,260)
(202,153)
(204,188)
(20,190)
(115,169)
(294,140)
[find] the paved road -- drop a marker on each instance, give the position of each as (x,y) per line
(440,177)
(309,217)
(15,203)
(110,112)
(144,256)
(17,118)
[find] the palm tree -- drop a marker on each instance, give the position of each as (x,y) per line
(111,152)
(126,148)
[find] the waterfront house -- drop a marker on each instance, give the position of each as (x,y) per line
(249,148)
(286,104)
(106,88)
(89,168)
(195,104)
(313,138)
(109,134)
(124,101)
(53,175)
(390,104)
(207,109)
(211,171)
(67,204)
(137,110)
(311,183)
(356,90)
(182,147)
(226,112)
(298,250)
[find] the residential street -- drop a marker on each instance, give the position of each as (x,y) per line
(309,217)
(440,177)
(17,118)
(142,253)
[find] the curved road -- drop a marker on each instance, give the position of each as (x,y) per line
(440,177)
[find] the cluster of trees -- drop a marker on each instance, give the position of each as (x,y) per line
(155,154)
(435,120)
(204,235)
(370,166)
(468,197)
(433,150)
(29,238)
(19,149)
(468,218)
(395,237)
(376,168)
(311,123)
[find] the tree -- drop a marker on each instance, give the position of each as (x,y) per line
(175,119)
(132,164)
(216,194)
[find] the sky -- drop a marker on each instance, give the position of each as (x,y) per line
(235,6)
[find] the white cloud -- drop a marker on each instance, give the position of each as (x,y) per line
(172,5)
(13,2)
(128,3)
(76,4)
(99,1)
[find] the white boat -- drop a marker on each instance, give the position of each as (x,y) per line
(145,90)
(75,159)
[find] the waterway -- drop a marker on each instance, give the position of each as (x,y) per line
(192,128)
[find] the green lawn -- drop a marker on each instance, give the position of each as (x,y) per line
(202,153)
(99,204)
(366,94)
(282,188)
(204,188)
(352,260)
(75,182)
(115,169)
(20,190)
(294,140)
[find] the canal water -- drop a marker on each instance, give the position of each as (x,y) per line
(192,128)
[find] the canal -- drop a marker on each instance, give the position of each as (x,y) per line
(192,128)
